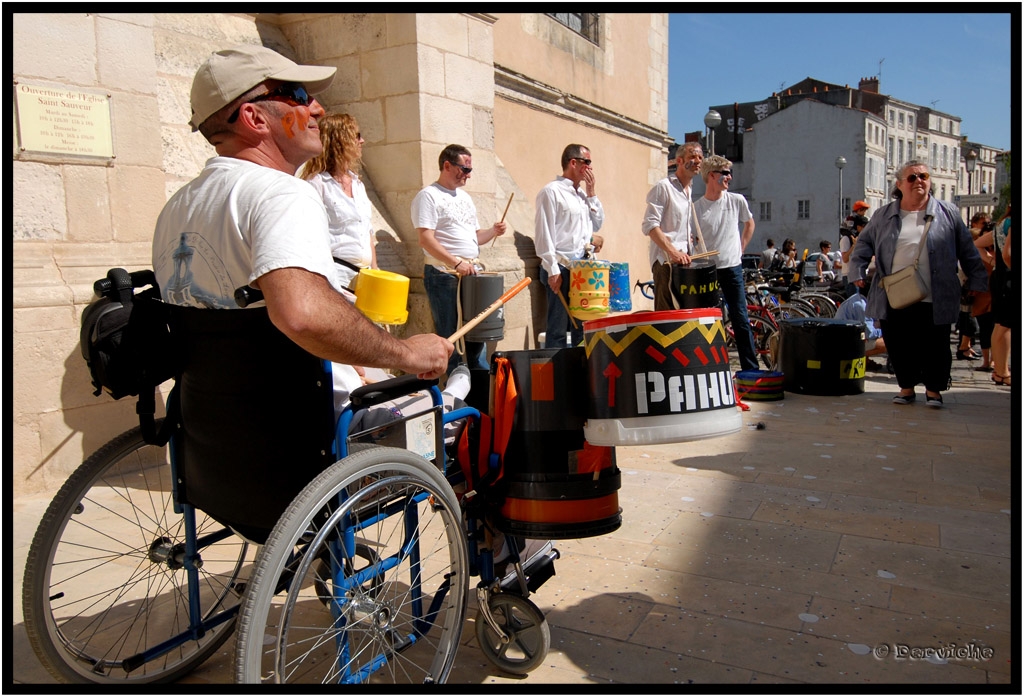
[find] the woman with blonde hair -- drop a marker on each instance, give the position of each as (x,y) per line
(332,173)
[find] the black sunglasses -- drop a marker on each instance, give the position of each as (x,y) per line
(583,160)
(464,168)
(724,172)
(923,176)
(291,92)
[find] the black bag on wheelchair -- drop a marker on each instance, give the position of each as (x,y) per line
(125,337)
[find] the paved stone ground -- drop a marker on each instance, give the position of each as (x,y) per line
(846,529)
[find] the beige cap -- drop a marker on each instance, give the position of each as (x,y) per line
(229,73)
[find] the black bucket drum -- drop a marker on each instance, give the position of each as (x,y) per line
(478,292)
(659,377)
(555,484)
(822,356)
(696,285)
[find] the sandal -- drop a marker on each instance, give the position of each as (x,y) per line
(1001,379)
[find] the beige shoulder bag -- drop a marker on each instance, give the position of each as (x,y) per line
(906,287)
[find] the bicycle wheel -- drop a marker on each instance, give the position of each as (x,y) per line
(766,340)
(527,629)
(823,305)
(393,616)
(104,580)
(792,311)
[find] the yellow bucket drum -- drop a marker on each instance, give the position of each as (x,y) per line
(382,296)
(589,288)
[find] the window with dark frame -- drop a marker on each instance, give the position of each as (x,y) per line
(803,209)
(583,23)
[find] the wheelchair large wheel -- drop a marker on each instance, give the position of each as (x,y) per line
(528,633)
(103,580)
(391,616)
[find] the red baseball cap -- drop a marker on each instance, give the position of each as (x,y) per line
(860,206)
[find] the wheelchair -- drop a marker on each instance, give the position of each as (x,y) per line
(336,557)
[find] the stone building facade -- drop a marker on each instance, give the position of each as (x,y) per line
(513,88)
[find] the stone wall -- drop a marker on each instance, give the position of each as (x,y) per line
(416,82)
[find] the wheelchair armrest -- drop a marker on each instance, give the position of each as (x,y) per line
(369,395)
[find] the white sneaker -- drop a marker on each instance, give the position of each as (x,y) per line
(458,382)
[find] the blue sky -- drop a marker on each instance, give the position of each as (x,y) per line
(961,62)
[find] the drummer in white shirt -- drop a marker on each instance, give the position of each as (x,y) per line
(565,222)
(668,220)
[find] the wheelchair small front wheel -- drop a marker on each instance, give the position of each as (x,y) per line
(529,636)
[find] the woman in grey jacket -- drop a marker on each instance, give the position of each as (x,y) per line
(917,336)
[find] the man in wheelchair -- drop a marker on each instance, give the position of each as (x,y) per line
(247,220)
(364,551)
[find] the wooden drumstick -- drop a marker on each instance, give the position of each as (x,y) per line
(704,254)
(505,297)
(567,311)
(495,238)
(510,196)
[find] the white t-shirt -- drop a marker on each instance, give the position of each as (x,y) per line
(348,221)
(451,214)
(232,224)
(845,244)
(720,223)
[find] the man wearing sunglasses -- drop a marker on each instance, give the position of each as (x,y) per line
(565,221)
(445,220)
(720,214)
(917,336)
(247,220)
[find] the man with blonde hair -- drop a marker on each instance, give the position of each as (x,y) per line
(720,214)
(668,222)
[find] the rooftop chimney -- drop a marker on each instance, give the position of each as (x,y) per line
(868,84)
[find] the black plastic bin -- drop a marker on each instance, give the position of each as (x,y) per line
(822,356)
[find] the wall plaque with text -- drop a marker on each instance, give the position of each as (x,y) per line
(55,120)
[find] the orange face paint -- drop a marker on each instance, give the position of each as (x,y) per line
(294,123)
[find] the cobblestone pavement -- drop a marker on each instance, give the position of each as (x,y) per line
(848,541)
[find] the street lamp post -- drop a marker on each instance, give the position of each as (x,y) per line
(970,162)
(712,119)
(840,163)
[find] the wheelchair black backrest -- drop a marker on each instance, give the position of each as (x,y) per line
(255,417)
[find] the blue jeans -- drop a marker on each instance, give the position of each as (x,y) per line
(558,319)
(443,294)
(734,293)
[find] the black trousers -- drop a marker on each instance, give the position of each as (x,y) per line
(917,347)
